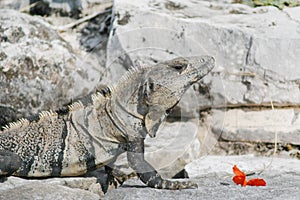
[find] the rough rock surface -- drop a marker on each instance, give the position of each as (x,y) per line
(258,126)
(38,69)
(256,53)
(48,189)
(175,145)
(222,165)
(13,4)
(72,8)
(255,48)
(213,175)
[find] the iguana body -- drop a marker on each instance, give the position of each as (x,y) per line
(89,135)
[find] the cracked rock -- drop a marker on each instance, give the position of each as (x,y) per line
(256,49)
(38,69)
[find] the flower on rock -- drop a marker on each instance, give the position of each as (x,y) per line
(240,178)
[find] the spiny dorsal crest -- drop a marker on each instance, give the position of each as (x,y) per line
(76,106)
(96,97)
(44,115)
(102,91)
(16,125)
(132,71)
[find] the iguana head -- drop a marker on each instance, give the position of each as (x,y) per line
(150,92)
(166,84)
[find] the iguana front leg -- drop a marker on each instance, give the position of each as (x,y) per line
(147,173)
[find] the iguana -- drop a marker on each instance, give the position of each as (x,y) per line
(91,134)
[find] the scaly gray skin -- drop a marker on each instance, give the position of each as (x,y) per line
(89,135)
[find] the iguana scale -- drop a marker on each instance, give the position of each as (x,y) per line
(88,135)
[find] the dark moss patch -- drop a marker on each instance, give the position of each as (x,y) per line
(170,5)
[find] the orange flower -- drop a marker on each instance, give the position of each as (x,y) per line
(240,178)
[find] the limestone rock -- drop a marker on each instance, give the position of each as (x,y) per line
(175,145)
(256,49)
(57,188)
(213,174)
(47,7)
(293,13)
(222,165)
(38,69)
(13,4)
(258,126)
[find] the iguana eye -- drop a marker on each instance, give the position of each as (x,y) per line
(179,64)
(180,67)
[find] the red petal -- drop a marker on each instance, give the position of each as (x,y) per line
(240,177)
(237,171)
(240,180)
(256,182)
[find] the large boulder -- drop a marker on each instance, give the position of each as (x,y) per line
(38,69)
(256,52)
(256,49)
